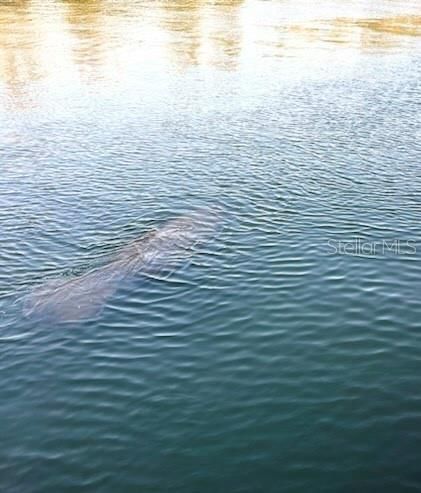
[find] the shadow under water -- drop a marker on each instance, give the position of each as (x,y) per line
(160,250)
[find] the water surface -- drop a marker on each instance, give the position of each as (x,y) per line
(282,357)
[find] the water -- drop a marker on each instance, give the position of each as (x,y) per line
(285,354)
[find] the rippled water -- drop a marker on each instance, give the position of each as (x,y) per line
(283,355)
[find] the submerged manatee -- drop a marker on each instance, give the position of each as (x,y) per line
(81,297)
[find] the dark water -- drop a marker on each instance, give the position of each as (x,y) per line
(286,354)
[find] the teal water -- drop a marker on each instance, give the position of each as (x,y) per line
(285,354)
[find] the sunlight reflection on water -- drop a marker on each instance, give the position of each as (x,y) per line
(64,41)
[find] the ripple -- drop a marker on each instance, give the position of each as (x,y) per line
(268,361)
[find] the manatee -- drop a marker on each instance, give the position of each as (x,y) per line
(160,250)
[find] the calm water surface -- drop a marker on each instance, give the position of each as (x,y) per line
(285,355)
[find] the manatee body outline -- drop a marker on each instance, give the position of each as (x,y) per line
(82,297)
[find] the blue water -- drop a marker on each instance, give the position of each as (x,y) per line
(285,355)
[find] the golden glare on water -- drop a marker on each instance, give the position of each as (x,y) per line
(68,40)
(365,33)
